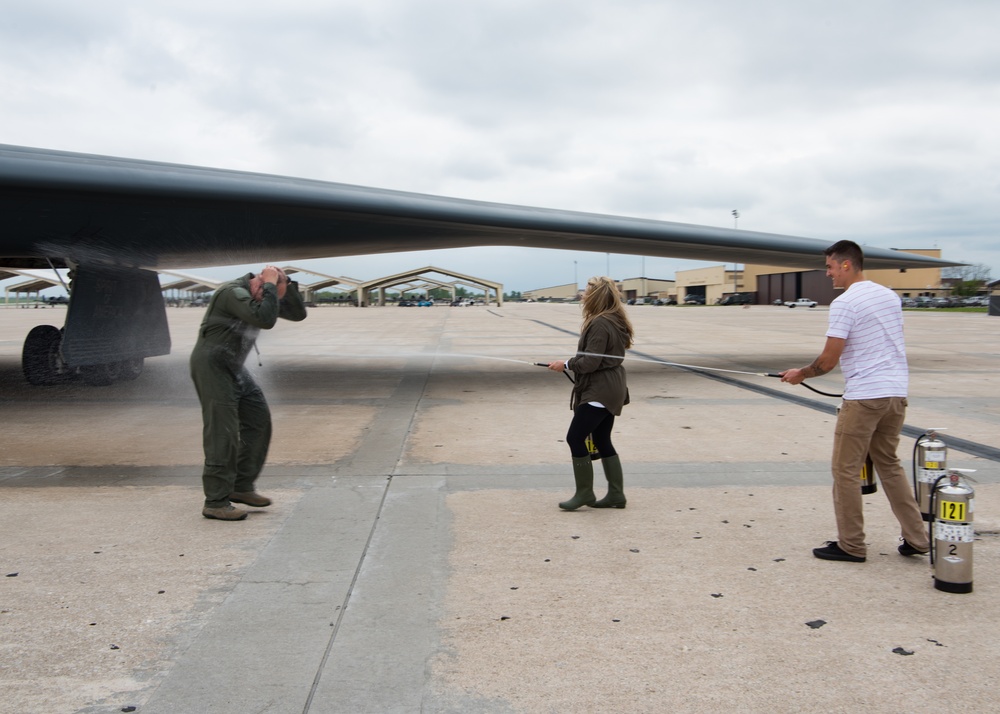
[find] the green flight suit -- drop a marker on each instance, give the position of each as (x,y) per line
(237,423)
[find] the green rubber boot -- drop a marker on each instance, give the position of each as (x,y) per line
(616,493)
(583,472)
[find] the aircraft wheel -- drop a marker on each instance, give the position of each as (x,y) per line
(132,368)
(40,359)
(101,375)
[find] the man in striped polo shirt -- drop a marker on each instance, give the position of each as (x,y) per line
(865,335)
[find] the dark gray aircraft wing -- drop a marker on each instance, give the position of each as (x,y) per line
(98,209)
(115,221)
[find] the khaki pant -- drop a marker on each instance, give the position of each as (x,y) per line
(872,427)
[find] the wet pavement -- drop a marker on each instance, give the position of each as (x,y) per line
(415,560)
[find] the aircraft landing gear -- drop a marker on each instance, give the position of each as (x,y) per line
(101,375)
(115,319)
(43,365)
(41,360)
(132,368)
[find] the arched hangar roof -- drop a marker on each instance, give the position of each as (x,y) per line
(461,278)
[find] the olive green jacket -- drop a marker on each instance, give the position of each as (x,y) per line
(234,319)
(600,379)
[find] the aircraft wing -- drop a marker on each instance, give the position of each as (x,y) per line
(102,210)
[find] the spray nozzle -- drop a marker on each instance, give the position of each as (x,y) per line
(955,474)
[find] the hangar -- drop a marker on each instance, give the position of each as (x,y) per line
(417,279)
(410,278)
(38,280)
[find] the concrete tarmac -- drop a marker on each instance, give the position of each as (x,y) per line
(414,559)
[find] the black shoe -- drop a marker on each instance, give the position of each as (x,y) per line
(907,549)
(832,551)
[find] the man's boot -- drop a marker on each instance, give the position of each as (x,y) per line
(583,472)
(616,493)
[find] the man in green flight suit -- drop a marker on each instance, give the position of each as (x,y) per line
(237,422)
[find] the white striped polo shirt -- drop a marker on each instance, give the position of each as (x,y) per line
(870,318)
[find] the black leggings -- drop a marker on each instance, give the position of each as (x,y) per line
(590,421)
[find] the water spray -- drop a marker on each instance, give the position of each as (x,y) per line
(460,355)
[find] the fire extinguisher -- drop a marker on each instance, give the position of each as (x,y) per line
(868,484)
(930,463)
(951,532)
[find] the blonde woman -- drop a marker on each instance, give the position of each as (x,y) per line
(599,392)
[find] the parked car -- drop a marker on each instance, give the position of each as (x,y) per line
(694,300)
(737,299)
(802,302)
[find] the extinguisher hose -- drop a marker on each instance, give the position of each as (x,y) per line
(566,372)
(813,389)
(930,525)
(933,509)
(695,367)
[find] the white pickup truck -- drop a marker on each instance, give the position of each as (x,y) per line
(801,302)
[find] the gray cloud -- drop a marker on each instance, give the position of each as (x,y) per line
(873,121)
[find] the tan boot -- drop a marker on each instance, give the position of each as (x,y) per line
(251,498)
(224,513)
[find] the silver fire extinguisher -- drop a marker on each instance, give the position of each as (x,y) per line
(930,463)
(952,533)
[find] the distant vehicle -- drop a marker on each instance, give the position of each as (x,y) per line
(908,302)
(406,303)
(425,303)
(56,300)
(923,301)
(461,303)
(940,302)
(694,300)
(737,299)
(802,302)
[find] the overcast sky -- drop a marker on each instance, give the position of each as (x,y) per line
(869,120)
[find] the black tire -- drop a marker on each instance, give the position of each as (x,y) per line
(132,368)
(40,359)
(101,375)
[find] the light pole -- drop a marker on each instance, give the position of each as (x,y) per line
(736,225)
